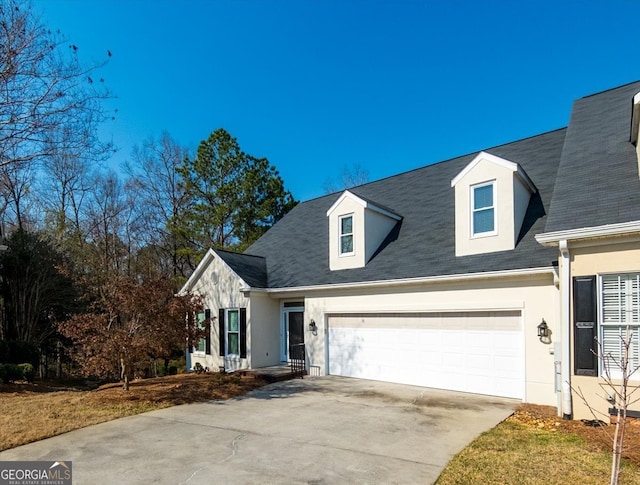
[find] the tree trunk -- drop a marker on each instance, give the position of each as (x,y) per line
(124,374)
(58,359)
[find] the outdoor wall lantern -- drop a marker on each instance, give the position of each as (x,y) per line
(313,327)
(543,330)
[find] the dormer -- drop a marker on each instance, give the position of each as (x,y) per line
(357,228)
(635,126)
(491,196)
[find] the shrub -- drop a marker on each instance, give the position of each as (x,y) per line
(11,373)
(28,372)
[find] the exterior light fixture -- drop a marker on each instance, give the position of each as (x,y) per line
(313,327)
(543,330)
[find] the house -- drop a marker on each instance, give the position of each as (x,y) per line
(444,276)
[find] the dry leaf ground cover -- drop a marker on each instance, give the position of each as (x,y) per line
(31,412)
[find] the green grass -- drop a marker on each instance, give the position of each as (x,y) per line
(513,453)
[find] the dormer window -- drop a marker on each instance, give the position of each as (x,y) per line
(346,235)
(357,228)
(492,195)
(484,211)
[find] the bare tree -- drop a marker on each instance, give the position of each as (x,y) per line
(107,213)
(349,178)
(64,185)
(49,102)
(160,200)
(16,182)
(617,373)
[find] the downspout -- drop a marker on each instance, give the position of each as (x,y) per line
(565,295)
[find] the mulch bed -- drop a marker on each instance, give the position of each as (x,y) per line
(597,434)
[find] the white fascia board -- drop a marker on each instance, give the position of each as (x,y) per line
(528,272)
(383,211)
(620,229)
(346,195)
(635,119)
(364,203)
(195,276)
(514,167)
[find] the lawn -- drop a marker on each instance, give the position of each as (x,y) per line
(532,446)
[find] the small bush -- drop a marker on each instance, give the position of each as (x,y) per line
(28,373)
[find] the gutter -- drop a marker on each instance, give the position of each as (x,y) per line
(544,271)
(606,230)
(565,369)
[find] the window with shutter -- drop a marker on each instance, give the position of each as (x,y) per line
(620,317)
(233,328)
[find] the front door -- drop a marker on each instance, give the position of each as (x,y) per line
(293,330)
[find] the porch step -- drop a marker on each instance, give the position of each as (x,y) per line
(271,374)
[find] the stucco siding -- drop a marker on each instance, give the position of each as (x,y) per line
(263,341)
(613,255)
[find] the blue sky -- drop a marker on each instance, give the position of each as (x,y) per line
(316,86)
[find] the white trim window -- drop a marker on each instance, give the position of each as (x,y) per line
(620,318)
(345,225)
(201,344)
(483,209)
(233,332)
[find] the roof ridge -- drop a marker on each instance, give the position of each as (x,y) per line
(439,163)
(610,89)
(237,253)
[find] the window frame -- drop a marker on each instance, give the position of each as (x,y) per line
(200,325)
(473,210)
(622,326)
(227,332)
(349,234)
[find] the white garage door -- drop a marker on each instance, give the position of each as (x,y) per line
(479,352)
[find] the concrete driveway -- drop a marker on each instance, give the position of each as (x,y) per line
(316,430)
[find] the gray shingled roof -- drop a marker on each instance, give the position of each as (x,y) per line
(252,269)
(597,179)
(422,244)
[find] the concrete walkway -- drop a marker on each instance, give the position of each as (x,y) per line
(316,430)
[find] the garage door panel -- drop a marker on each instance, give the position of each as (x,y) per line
(479,352)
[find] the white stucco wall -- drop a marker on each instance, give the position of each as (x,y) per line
(263,341)
(357,259)
(535,296)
